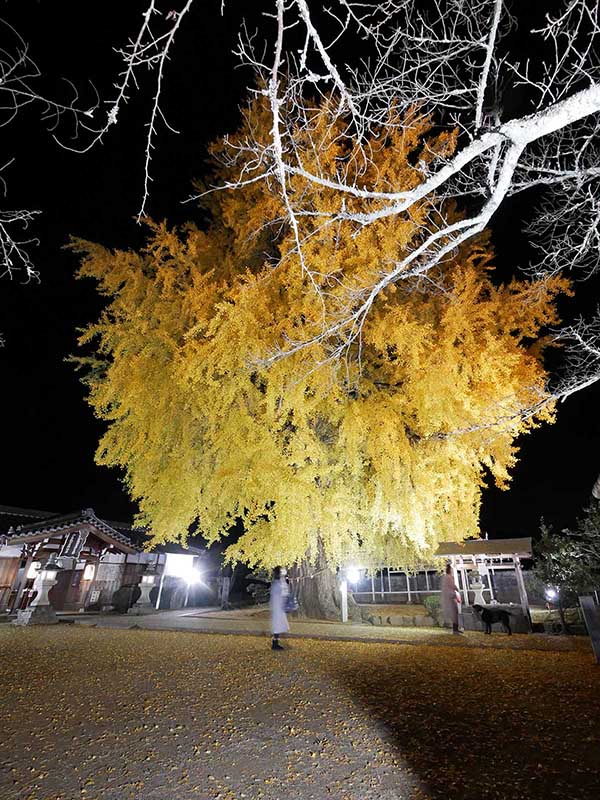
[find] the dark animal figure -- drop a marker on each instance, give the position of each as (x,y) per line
(489,617)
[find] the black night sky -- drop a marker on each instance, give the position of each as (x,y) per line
(48,433)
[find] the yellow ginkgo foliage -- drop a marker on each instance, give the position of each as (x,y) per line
(374,447)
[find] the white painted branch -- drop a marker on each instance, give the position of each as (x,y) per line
(520,132)
(332,70)
(489,56)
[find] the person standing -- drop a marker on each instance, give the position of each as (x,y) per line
(277,603)
(450,599)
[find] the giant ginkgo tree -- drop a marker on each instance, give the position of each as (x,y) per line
(520,82)
(373,448)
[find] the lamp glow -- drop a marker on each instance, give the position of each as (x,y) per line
(195,576)
(353,574)
(32,572)
(551,593)
(179,565)
(49,572)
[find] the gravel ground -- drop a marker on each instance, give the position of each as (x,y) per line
(152,715)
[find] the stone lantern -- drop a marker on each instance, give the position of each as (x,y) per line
(143,605)
(40,611)
(477,588)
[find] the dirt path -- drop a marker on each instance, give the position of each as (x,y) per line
(152,715)
(255,622)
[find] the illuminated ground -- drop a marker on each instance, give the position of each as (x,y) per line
(152,715)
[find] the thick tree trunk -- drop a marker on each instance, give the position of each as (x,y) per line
(317,589)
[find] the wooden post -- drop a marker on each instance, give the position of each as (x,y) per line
(455,572)
(465,585)
(522,590)
(21,576)
(489,574)
(20,581)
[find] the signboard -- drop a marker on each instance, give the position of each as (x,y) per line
(591,616)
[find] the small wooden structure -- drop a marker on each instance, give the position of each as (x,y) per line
(95,559)
(484,557)
(78,542)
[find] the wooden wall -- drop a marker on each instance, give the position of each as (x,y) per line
(8,572)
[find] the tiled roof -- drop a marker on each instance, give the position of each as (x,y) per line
(11,516)
(488,547)
(17,523)
(137,535)
(31,523)
(140,536)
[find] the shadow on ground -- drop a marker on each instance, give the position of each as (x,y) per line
(485,724)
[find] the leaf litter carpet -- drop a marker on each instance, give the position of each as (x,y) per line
(97,714)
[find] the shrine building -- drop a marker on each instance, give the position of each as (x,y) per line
(94,558)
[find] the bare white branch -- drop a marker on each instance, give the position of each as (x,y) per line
(149,51)
(375,64)
(19,76)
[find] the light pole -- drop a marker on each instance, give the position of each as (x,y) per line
(344,594)
(351,574)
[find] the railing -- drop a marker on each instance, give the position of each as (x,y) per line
(382,584)
(393,584)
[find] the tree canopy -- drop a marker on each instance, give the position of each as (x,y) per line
(569,561)
(374,446)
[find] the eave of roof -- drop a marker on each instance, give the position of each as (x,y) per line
(26,512)
(24,526)
(488,547)
(58,524)
(11,516)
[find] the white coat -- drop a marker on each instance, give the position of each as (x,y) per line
(449,599)
(279,593)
